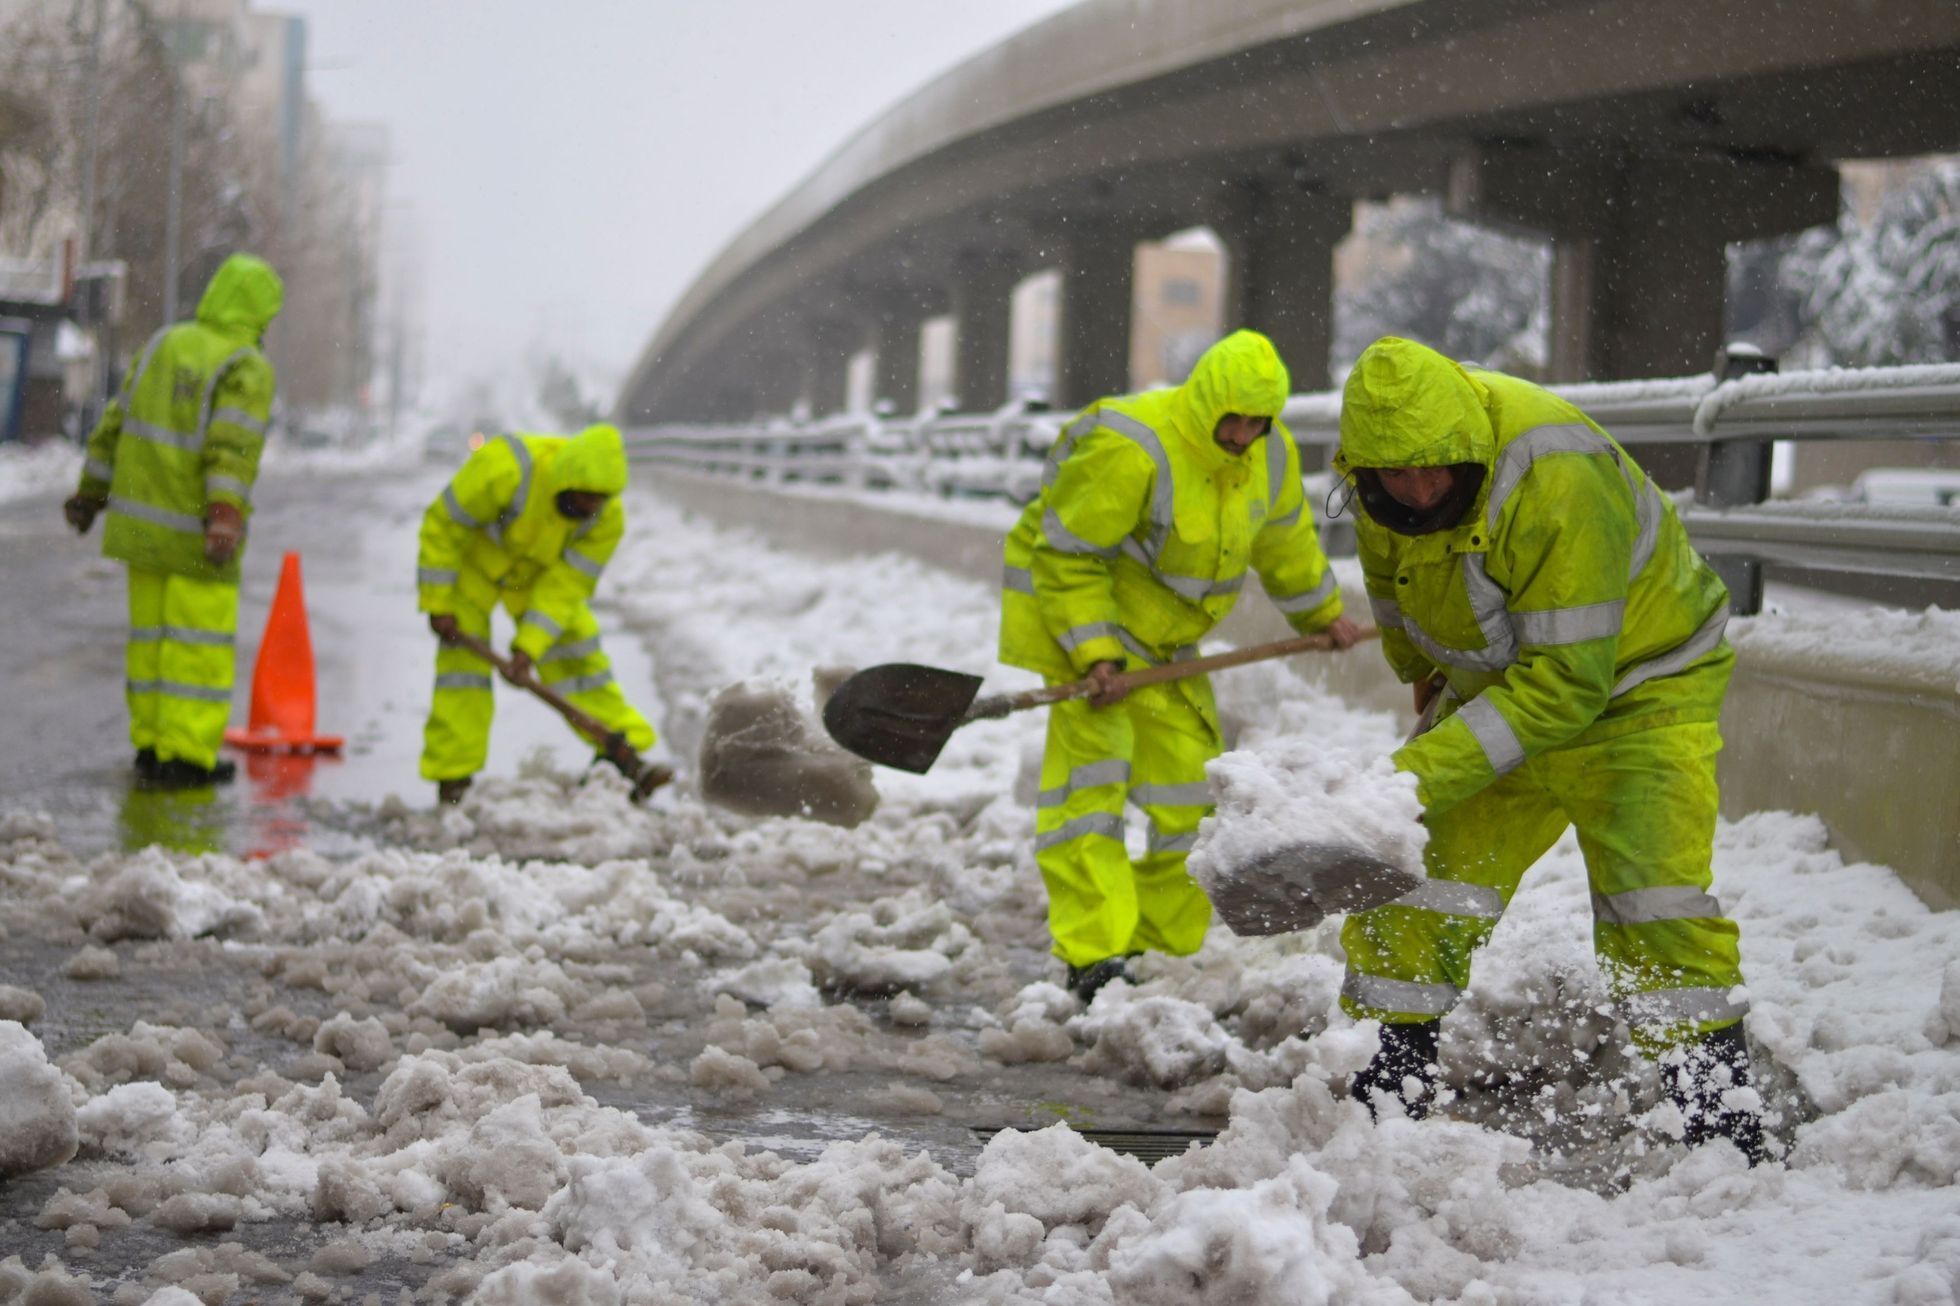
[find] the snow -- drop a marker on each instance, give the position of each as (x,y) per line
(1919,648)
(50,469)
(37,1121)
(553,1046)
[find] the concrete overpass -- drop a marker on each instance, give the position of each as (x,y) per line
(1640,136)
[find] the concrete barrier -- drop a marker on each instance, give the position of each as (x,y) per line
(1875,755)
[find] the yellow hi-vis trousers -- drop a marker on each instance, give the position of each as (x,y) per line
(178,664)
(1644,804)
(1150,749)
(456,740)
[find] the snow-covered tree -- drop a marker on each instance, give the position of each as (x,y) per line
(1888,291)
(1471,292)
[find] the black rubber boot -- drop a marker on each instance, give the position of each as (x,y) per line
(1695,1082)
(176,773)
(1408,1051)
(146,764)
(1085,981)
(449,793)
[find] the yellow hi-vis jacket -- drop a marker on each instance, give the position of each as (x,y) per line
(188,428)
(1141,537)
(1565,604)
(495,531)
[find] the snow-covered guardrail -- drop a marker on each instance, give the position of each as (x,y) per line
(1734,421)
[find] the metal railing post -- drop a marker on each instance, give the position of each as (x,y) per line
(1733,473)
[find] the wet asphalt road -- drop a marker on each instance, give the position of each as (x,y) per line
(64,745)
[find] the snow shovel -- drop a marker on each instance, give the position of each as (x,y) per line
(646,776)
(901,714)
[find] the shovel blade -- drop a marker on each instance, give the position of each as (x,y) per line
(1298,886)
(900,714)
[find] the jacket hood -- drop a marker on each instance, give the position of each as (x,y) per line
(1240,374)
(594,459)
(1405,405)
(244,296)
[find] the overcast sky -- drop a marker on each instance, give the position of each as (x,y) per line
(566,169)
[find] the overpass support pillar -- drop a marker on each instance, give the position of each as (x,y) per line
(983,307)
(1281,279)
(1099,261)
(1639,266)
(895,380)
(832,342)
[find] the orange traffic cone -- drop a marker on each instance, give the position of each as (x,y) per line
(282,681)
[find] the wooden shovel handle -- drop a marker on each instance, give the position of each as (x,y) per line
(581,721)
(999,705)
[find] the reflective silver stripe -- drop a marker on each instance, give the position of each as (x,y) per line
(1493,734)
(1492,612)
(1276,468)
(1195,794)
(176,521)
(1170,843)
(582,684)
(182,635)
(189,441)
(1061,539)
(99,471)
(1521,453)
(1662,1006)
(1570,625)
(1058,455)
(1454,898)
(436,576)
(1077,636)
(1018,579)
(177,689)
(1163,495)
(1665,902)
(1653,511)
(1386,612)
(1400,996)
(523,495)
(149,356)
(219,483)
(1138,648)
(1193,589)
(583,648)
(1107,824)
(1111,771)
(532,617)
(581,564)
(463,680)
(1308,600)
(1281,523)
(1706,639)
(1442,655)
(211,390)
(239,417)
(456,513)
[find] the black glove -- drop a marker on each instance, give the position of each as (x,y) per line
(80,511)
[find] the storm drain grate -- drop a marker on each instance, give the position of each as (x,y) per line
(1147,1145)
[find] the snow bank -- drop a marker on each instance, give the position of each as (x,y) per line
(37,1121)
(48,470)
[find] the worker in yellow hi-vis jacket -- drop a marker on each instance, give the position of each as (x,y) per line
(1522,566)
(529,521)
(1153,509)
(174,461)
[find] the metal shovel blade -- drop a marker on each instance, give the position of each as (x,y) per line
(1300,885)
(900,714)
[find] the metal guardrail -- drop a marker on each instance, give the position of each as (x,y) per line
(1899,555)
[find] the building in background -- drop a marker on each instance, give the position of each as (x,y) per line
(156,138)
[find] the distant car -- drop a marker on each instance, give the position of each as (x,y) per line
(1908,487)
